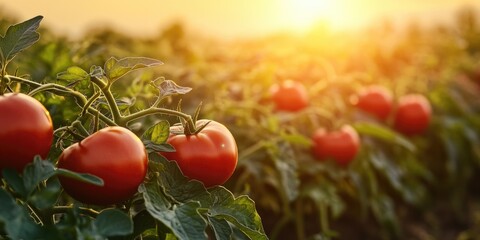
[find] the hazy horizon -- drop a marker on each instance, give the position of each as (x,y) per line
(232,19)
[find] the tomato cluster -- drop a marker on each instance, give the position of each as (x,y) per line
(411,116)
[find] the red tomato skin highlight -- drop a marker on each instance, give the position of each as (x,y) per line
(413,114)
(341,146)
(209,156)
(289,96)
(114,154)
(26,130)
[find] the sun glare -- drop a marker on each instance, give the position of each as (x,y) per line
(302,14)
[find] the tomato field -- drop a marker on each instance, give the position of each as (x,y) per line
(325,135)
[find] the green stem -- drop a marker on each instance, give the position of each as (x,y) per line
(90,102)
(280,226)
(153,110)
(44,87)
(324,226)
(241,181)
(35,213)
(157,101)
(287,215)
(78,125)
(250,150)
(299,219)
(60,90)
(63,209)
(69,129)
(3,81)
(112,104)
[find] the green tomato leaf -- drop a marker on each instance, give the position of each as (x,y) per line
(383,208)
(73,74)
(36,172)
(16,221)
(113,222)
(378,131)
(239,211)
(122,103)
(152,147)
(158,133)
(325,194)
(170,88)
(47,196)
(19,37)
(142,221)
(182,219)
(221,228)
(172,197)
(176,185)
(97,71)
(286,165)
(75,225)
(14,180)
(84,177)
(115,69)
(297,139)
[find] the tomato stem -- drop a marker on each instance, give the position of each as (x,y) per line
(78,125)
(112,104)
(250,150)
(299,219)
(70,131)
(63,209)
(36,213)
(3,81)
(280,225)
(323,212)
(154,110)
(61,90)
(89,103)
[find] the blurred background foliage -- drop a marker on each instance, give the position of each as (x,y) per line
(398,187)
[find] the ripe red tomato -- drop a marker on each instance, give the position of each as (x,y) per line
(376,100)
(114,154)
(289,96)
(342,145)
(26,130)
(209,156)
(413,114)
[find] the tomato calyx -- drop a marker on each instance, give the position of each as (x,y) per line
(188,126)
(185,129)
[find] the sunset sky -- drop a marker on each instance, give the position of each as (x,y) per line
(229,18)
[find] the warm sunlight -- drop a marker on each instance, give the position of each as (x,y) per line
(302,14)
(229,19)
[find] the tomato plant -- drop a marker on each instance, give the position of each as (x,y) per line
(147,196)
(341,146)
(26,130)
(114,154)
(289,96)
(375,100)
(209,155)
(413,113)
(378,196)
